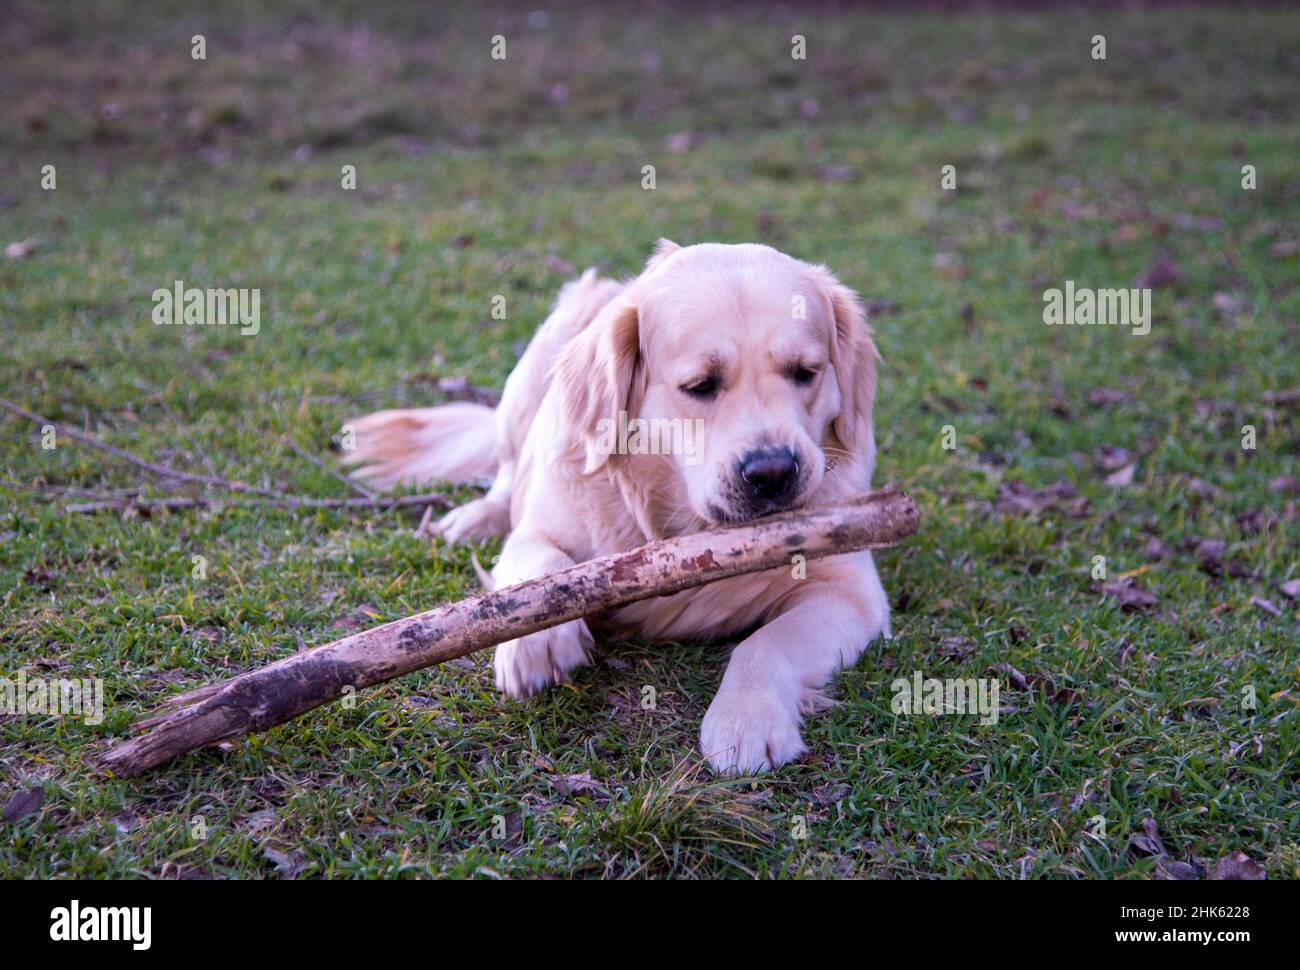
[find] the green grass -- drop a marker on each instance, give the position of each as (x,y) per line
(479,178)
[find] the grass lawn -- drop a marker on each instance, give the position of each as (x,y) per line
(478,178)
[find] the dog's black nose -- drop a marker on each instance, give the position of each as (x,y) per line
(770,473)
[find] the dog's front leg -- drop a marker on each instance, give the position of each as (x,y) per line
(777,674)
(530,664)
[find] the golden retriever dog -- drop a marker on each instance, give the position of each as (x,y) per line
(763,367)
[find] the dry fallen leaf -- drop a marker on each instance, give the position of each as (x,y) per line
(1123,652)
(1106,396)
(830,794)
(573,784)
(24,803)
(950,266)
(1032,681)
(1125,234)
(1291,589)
(1289,398)
(1210,553)
(459,388)
(1083,796)
(1016,497)
(682,141)
(258,821)
(1224,302)
(561,266)
(1123,477)
(1203,489)
(1155,549)
(1253,521)
(957,648)
(1131,597)
(1163,271)
(1017,678)
(1268,606)
(364,615)
(838,173)
(287,864)
(879,308)
(21,250)
(876,307)
(1109,458)
(1176,871)
(1147,842)
(1237,866)
(1287,484)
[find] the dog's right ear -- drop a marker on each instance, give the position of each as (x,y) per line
(599,375)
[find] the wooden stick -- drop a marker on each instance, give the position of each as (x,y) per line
(259,699)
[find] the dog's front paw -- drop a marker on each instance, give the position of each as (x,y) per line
(530,664)
(747,731)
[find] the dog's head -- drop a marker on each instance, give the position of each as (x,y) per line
(725,380)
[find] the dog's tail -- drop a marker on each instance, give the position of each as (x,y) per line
(418,446)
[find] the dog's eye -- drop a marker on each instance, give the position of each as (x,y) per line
(803,375)
(705,388)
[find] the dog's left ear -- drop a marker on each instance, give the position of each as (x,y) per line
(854,358)
(663,249)
(599,375)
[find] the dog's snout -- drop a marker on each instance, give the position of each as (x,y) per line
(771,473)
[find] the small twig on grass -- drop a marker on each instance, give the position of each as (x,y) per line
(265,497)
(346,480)
(134,502)
(283,501)
(162,471)
(452,388)
(64,491)
(460,389)
(424,522)
(181,427)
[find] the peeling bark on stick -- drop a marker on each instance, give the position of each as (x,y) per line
(278,692)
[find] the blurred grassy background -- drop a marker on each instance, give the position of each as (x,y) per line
(479,177)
